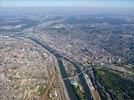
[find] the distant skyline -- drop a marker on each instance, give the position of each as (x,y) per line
(66,3)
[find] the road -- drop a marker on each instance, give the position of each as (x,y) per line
(45,95)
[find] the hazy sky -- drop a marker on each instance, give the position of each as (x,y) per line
(83,3)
